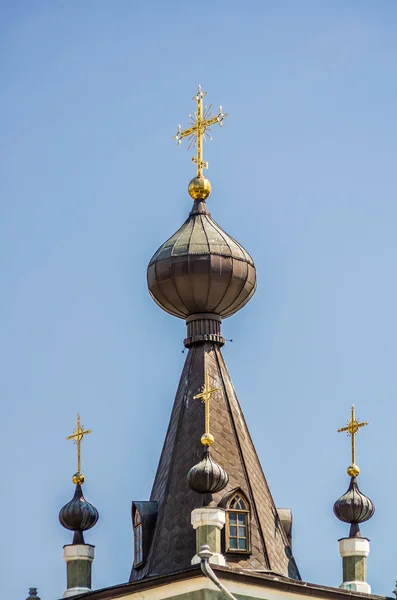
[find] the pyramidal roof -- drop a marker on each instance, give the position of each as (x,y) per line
(201,274)
(173,544)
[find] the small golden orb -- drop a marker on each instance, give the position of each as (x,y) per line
(78,478)
(207,439)
(353,470)
(199,188)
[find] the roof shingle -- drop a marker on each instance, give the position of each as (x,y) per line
(173,544)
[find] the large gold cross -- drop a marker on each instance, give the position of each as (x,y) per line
(77,436)
(199,130)
(352,429)
(205,395)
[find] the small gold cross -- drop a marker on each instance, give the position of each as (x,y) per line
(200,123)
(77,436)
(205,395)
(352,429)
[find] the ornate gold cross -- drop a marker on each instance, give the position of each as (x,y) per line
(77,436)
(199,130)
(205,395)
(352,429)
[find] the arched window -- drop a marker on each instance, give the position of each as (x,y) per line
(138,539)
(237,524)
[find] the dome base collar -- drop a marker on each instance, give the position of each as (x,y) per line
(203,327)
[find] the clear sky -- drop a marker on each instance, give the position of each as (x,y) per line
(303,175)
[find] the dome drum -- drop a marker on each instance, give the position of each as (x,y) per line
(204,327)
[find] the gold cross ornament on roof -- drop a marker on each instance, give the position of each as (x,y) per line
(199,130)
(207,439)
(353,427)
(78,436)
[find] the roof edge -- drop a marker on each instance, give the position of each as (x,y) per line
(271,579)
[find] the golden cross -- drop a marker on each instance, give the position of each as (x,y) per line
(205,396)
(77,436)
(352,429)
(200,123)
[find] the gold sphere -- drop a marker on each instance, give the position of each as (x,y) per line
(353,470)
(78,478)
(207,439)
(199,188)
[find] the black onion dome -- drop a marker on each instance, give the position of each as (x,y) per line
(78,515)
(207,477)
(354,507)
(201,269)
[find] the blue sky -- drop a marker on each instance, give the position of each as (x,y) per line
(303,175)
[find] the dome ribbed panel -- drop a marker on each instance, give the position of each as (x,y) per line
(198,266)
(156,292)
(181,249)
(181,242)
(233,248)
(354,506)
(246,275)
(207,477)
(78,514)
(222,272)
(165,277)
(166,249)
(201,269)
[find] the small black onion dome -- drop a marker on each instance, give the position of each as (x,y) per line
(78,515)
(354,507)
(201,269)
(207,477)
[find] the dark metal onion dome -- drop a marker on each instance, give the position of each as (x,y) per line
(78,515)
(207,477)
(354,507)
(201,269)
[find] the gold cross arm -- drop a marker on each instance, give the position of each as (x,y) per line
(199,129)
(182,134)
(207,391)
(352,428)
(77,437)
(218,119)
(205,396)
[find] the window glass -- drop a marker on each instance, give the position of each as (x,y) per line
(138,558)
(237,524)
(238,503)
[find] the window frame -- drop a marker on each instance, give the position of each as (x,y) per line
(236,511)
(138,539)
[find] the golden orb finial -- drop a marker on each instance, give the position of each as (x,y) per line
(78,478)
(199,188)
(207,439)
(353,470)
